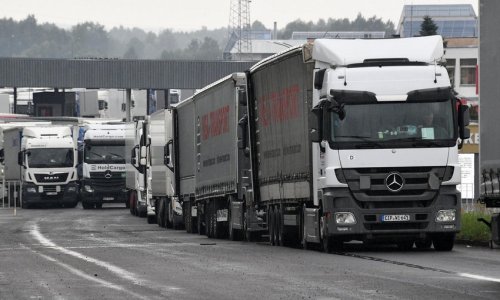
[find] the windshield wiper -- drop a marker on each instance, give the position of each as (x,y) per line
(368,142)
(117,155)
(416,141)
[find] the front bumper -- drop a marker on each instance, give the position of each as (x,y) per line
(370,222)
(97,197)
(49,194)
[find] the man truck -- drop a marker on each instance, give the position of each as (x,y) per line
(43,160)
(103,165)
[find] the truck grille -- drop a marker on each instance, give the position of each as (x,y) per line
(45,178)
(107,180)
(370,188)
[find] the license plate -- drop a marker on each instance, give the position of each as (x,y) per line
(51,193)
(395,218)
(108,198)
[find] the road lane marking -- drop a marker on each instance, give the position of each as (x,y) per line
(382,260)
(479,277)
(79,273)
(122,273)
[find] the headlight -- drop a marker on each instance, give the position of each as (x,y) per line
(88,189)
(31,190)
(71,188)
(345,218)
(447,215)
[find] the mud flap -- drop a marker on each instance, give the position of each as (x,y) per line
(312,225)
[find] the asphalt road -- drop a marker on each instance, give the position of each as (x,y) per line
(109,254)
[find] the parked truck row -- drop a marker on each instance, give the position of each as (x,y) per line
(333,141)
(62,161)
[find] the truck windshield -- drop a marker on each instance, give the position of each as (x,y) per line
(104,154)
(50,157)
(395,124)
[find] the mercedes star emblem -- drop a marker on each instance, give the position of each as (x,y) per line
(108,175)
(394,182)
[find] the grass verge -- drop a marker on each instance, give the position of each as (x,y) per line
(472,230)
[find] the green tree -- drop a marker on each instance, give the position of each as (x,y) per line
(428,27)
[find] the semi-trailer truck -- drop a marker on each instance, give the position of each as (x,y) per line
(138,167)
(103,165)
(43,160)
(332,141)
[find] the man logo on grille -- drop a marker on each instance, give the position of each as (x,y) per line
(394,182)
(108,174)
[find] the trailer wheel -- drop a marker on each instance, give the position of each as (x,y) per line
(423,244)
(168,213)
(200,219)
(86,205)
(279,226)
(303,228)
(98,205)
(151,219)
(405,245)
(270,226)
(187,217)
(209,219)
(443,241)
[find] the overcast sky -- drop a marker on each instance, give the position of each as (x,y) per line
(187,15)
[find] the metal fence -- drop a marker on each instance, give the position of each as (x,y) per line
(10,194)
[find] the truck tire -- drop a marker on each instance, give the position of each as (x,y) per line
(98,205)
(423,244)
(303,228)
(168,214)
(86,205)
(208,219)
(187,217)
(405,245)
(278,226)
(443,241)
(151,219)
(271,226)
(160,212)
(200,219)
(73,204)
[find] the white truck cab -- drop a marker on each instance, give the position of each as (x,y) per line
(47,158)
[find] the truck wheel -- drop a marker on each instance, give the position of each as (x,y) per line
(405,245)
(200,219)
(271,225)
(303,228)
(151,219)
(279,226)
(86,205)
(443,241)
(169,213)
(160,210)
(208,219)
(98,205)
(423,244)
(73,204)
(187,216)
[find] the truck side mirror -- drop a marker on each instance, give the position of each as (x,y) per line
(242,97)
(166,155)
(463,122)
(242,132)
(133,156)
(319,76)
(80,156)
(316,132)
(20,158)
